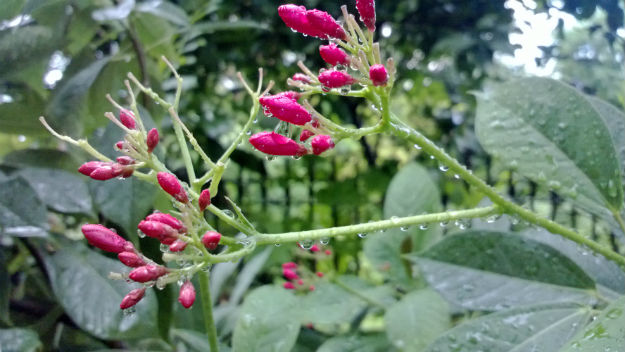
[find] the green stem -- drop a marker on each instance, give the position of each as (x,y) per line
(186,157)
(619,219)
(207,309)
(375,226)
(400,129)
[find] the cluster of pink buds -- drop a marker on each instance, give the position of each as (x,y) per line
(295,281)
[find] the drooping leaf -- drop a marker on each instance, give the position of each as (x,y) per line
(22,213)
(527,329)
(79,278)
(268,321)
(496,270)
(554,135)
(19,340)
(118,12)
(329,304)
(416,320)
(606,333)
(357,343)
(614,119)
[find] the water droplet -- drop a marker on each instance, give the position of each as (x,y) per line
(456,176)
(444,223)
(362,235)
(443,168)
(296,157)
(492,218)
(394,219)
(423,227)
(277,244)
(140,234)
(129,311)
(228,213)
(248,132)
(164,248)
(403,228)
(270,158)
(324,241)
(306,244)
(417,147)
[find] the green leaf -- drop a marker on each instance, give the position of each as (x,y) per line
(614,119)
(606,333)
(496,270)
(329,304)
(357,343)
(21,115)
(268,321)
(527,329)
(553,134)
(79,278)
(384,294)
(411,192)
(10,9)
(248,274)
(112,13)
(21,212)
(60,190)
(416,320)
(23,46)
(45,158)
(166,10)
(195,341)
(19,340)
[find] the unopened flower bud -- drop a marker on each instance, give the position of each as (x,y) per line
(167,220)
(147,273)
(204,200)
(211,239)
(170,184)
(378,75)
(132,298)
(289,286)
(319,274)
(366,9)
(284,107)
(103,238)
(276,144)
(321,143)
(152,139)
(107,172)
(295,18)
(90,166)
(178,246)
(289,265)
(119,145)
(289,274)
(303,137)
(300,282)
(125,160)
(314,248)
(127,118)
(187,294)
(326,24)
(328,252)
(333,55)
(335,79)
(311,288)
(164,233)
(301,77)
(131,259)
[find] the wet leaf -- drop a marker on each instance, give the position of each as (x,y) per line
(119,12)
(19,340)
(329,304)
(606,333)
(357,343)
(22,214)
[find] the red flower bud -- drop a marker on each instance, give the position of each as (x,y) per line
(125,160)
(289,274)
(132,298)
(147,273)
(127,118)
(119,145)
(319,274)
(107,172)
(103,238)
(295,18)
(311,287)
(289,265)
(211,239)
(300,282)
(314,248)
(275,144)
(152,139)
(164,233)
(284,107)
(328,252)
(131,259)
(321,143)
(324,23)
(187,294)
(289,286)
(378,75)
(335,79)
(167,220)
(301,77)
(204,200)
(303,137)
(90,166)
(178,246)
(333,55)
(170,184)
(366,9)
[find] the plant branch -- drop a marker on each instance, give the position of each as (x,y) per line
(207,310)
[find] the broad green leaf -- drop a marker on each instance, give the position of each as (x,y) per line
(329,304)
(119,12)
(209,27)
(416,320)
(384,294)
(357,343)
(21,115)
(268,321)
(45,158)
(60,190)
(553,134)
(22,213)
(23,46)
(496,270)
(166,10)
(19,340)
(248,274)
(10,9)
(79,278)
(195,341)
(411,192)
(606,333)
(527,329)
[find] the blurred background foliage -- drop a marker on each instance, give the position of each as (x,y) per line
(58,58)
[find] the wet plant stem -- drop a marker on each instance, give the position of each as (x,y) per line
(207,310)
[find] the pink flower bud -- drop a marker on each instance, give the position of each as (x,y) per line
(103,238)
(295,18)
(289,265)
(167,220)
(378,75)
(335,79)
(147,273)
(132,298)
(366,9)
(301,77)
(333,55)
(178,246)
(275,144)
(311,288)
(319,274)
(314,248)
(127,118)
(328,252)
(284,107)
(119,145)
(289,286)
(164,233)
(321,143)
(324,23)
(211,239)
(170,184)
(300,282)
(152,139)
(204,200)
(125,160)
(303,137)
(107,172)
(187,294)
(90,166)
(131,259)
(289,274)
